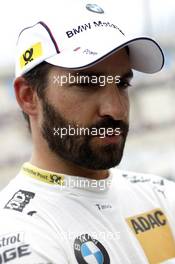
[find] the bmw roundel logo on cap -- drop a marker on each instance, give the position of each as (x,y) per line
(88,250)
(94,8)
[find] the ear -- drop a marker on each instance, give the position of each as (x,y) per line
(26,96)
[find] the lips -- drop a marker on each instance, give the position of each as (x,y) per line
(110,139)
(114,138)
(109,128)
(115,133)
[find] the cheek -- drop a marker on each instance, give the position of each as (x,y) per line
(126,104)
(73,107)
(128,108)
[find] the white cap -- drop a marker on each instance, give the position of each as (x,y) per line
(80,36)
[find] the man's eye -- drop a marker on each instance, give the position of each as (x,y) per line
(88,84)
(123,84)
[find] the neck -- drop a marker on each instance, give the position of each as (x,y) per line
(43,158)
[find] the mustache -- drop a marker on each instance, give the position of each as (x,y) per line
(114,124)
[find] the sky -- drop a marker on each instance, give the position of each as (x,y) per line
(153,17)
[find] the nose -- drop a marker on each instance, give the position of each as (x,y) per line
(114,103)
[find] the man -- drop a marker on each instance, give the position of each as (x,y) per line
(65,206)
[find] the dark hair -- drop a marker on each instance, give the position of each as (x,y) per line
(38,80)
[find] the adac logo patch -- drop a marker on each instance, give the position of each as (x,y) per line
(32,53)
(89,250)
(153,232)
(94,8)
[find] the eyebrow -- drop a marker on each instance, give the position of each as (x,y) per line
(128,75)
(88,73)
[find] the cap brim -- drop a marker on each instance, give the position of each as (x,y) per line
(145,55)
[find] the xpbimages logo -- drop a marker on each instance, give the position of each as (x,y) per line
(85,79)
(85,131)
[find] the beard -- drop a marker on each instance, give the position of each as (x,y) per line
(80,149)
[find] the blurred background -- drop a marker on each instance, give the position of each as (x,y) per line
(150,146)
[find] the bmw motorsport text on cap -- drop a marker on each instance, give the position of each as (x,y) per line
(84,34)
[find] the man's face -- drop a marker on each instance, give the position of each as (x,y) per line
(100,107)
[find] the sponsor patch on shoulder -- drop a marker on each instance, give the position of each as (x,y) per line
(19,200)
(154,234)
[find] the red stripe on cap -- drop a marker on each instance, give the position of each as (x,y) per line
(51,35)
